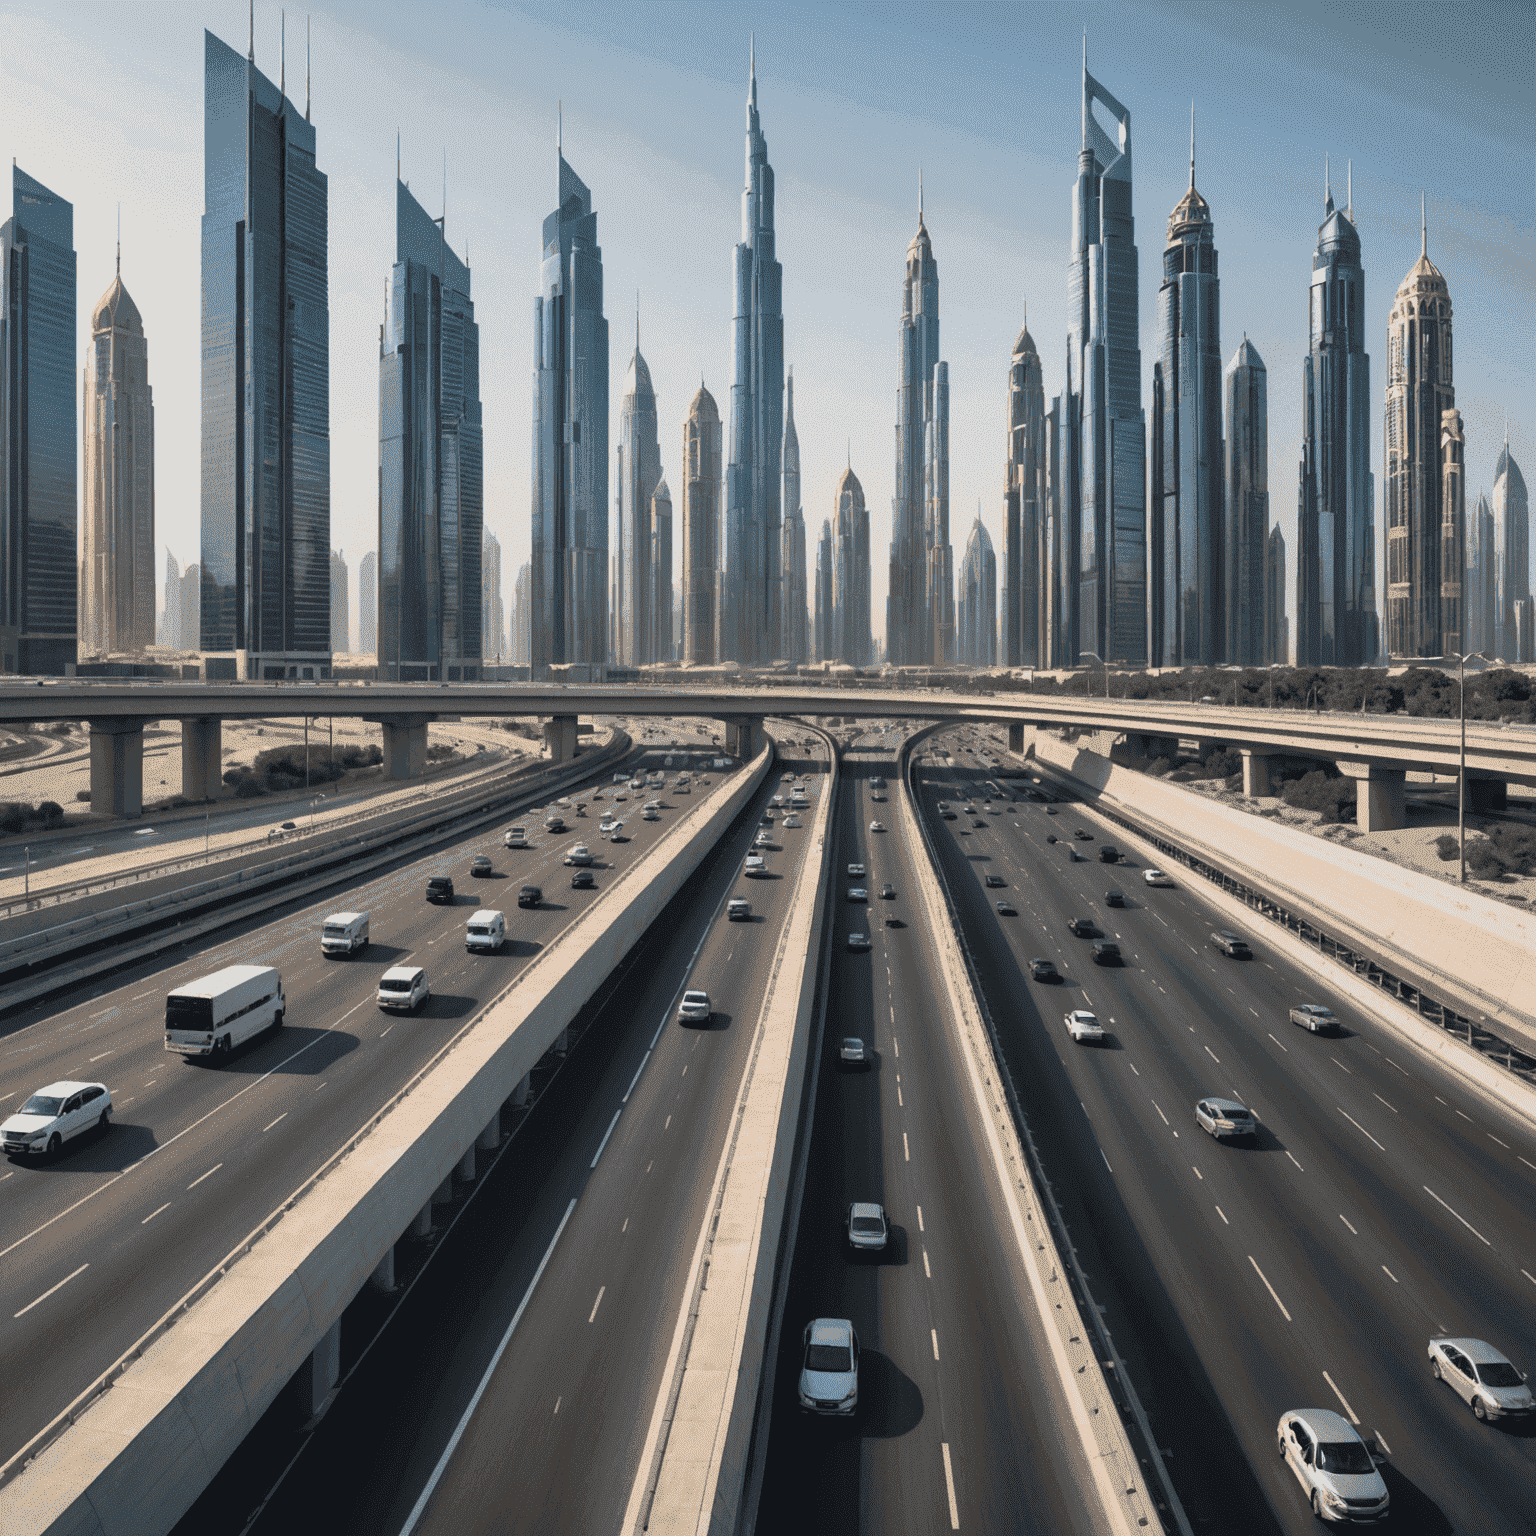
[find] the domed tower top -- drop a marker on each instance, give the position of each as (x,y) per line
(116,311)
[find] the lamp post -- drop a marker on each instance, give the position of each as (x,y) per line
(1461,760)
(1094,656)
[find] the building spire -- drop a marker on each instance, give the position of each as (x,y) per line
(397,154)
(282,57)
(306,69)
(560,128)
(251,53)
(120,251)
(752,69)
(637,322)
(1423,229)
(1349,191)
(1191,146)
(1085,88)
(1327,186)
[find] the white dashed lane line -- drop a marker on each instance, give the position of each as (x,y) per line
(1353,1417)
(1459,1217)
(49,1292)
(1268,1287)
(155,1213)
(1359,1127)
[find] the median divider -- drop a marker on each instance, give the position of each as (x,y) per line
(694,1470)
(131,1454)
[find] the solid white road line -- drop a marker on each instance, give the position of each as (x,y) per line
(199,1179)
(1268,1287)
(1106,1160)
(926,1270)
(906,1151)
(920,1226)
(1348,1223)
(596,1304)
(1359,1127)
(949,1483)
(636,1078)
(933,1333)
(1353,1417)
(269,1126)
(1462,1219)
(155,1213)
(606,1135)
(1299,1168)
(51,1289)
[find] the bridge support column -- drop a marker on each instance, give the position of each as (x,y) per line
(422,1226)
(405,745)
(560,738)
(562,1042)
(1379,801)
(320,1372)
(1487,795)
(202,745)
(743,738)
(1021,738)
(443,1194)
(117,767)
(465,1171)
(520,1093)
(490,1138)
(1255,774)
(383,1276)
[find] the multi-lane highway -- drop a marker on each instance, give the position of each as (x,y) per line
(572,1254)
(1385,1203)
(97,1244)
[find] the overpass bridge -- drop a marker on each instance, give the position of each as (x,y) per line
(1377,751)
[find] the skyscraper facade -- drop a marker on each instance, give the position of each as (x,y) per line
(701,531)
(639,465)
(1106,417)
(751,625)
(568,594)
(169,632)
(1246,523)
(1029,604)
(368,604)
(117,544)
(1060,589)
(266,450)
(1511,553)
(341,608)
(192,609)
(825,641)
(658,575)
(493,616)
(1478,582)
(1336,620)
(1187,603)
(38,482)
(976,603)
(849,638)
(794,645)
(520,612)
(1277,627)
(431,459)
(1419,393)
(1453,533)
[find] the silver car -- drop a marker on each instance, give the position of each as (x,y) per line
(852,1053)
(866,1226)
(829,1370)
(56,1114)
(1482,1376)
(858,893)
(1226,1119)
(1314,1017)
(1084,1026)
(1333,1465)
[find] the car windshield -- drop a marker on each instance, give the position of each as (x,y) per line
(478,928)
(1346,1456)
(868,1224)
(42,1104)
(1233,1112)
(834,1358)
(1498,1373)
(394,984)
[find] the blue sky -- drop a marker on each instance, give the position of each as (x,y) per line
(104,103)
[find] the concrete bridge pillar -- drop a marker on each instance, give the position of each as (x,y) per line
(465,1171)
(117,767)
(422,1226)
(490,1138)
(405,744)
(202,748)
(383,1276)
(1021,738)
(1379,801)
(1487,795)
(520,1093)
(320,1372)
(560,738)
(1255,773)
(744,738)
(443,1194)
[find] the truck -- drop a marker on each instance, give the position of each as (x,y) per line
(344,933)
(210,1017)
(486,930)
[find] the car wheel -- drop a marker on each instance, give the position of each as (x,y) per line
(1434,1366)
(1280,1447)
(105,1121)
(1317,1506)
(54,1143)
(1480,1409)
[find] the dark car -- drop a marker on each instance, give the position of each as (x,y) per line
(1109,854)
(530,896)
(1114,897)
(555,824)
(1084,927)
(978,822)
(439,888)
(1050,810)
(1232,945)
(887,891)
(1050,837)
(1106,952)
(583,880)
(995,882)
(1044,970)
(1007,909)
(1083,835)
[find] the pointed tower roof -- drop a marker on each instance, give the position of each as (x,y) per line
(1024,344)
(703,404)
(850,482)
(116,311)
(1507,466)
(1247,356)
(661,493)
(638,379)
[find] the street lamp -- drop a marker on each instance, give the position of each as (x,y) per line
(1461,761)
(1094,656)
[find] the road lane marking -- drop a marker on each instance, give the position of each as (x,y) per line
(1254,1012)
(949,1483)
(269,1126)
(1268,1287)
(1212,1054)
(1283,1048)
(1132,1066)
(1106,1160)
(1299,1168)
(906,1151)
(920,1226)
(901,1102)
(1405,1073)
(1528,1163)
(1198,1174)
(1359,1127)
(606,1135)
(896,1045)
(1158,1107)
(1392,1107)
(596,1304)
(155,1213)
(933,1333)
(1390,1276)
(199,1179)
(926,1270)
(558,1401)
(51,1289)
(1348,1223)
(1383,1441)
(636,1078)
(1335,1060)
(1529,1276)
(1467,1118)
(1462,1219)
(1492,1137)
(1353,1419)
(102,1057)
(1222,1214)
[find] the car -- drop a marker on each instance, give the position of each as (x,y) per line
(857,893)
(777,802)
(1233,945)
(787,778)
(995,882)
(738,910)
(651,813)
(877,796)
(877,826)
(829,1368)
(1226,1120)
(1082,834)
(439,888)
(866,1227)
(1114,897)
(970,810)
(767,818)
(404,987)
(63,1111)
(1333,1464)
(679,788)
(852,1052)
(289,826)
(617,834)
(755,866)
(1084,928)
(856,871)
(618,795)
(530,896)
(1043,970)
(555,823)
(1157,877)
(1109,854)
(1007,909)
(1483,1376)
(1050,837)
(1050,810)
(858,941)
(579,856)
(1084,1026)
(1106,952)
(694,1008)
(947,815)
(583,880)
(1314,1017)
(515,837)
(792,823)
(887,891)
(988,807)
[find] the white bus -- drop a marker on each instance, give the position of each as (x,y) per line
(212,1016)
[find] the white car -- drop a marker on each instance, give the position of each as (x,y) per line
(877,826)
(403,986)
(755,865)
(855,871)
(1226,1119)
(762,840)
(1157,877)
(829,1370)
(56,1114)
(1483,1377)
(1084,1026)
(694,1008)
(792,822)
(777,801)
(857,893)
(1333,1465)
(858,941)
(852,1053)
(579,856)
(1314,1017)
(867,1230)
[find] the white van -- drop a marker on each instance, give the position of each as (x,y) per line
(516,837)
(212,1016)
(486,930)
(344,933)
(651,812)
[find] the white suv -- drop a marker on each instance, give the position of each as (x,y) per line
(694,1008)
(54,1115)
(403,986)
(829,1371)
(1333,1464)
(1482,1376)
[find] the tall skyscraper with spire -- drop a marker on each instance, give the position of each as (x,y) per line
(850,639)
(658,605)
(919,610)
(1277,627)
(1336,620)
(825,618)
(1105,362)
(1028,604)
(976,604)
(1511,555)
(117,545)
(794,646)
(639,465)
(1188,600)
(701,531)
(751,620)
(1420,392)
(568,595)
(1478,581)
(1247,507)
(266,433)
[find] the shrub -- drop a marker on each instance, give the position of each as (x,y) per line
(1159,766)
(13,817)
(1222,763)
(50,814)
(1515,846)
(438,751)
(1329,795)
(1483,859)
(1446,846)
(83,794)
(248,787)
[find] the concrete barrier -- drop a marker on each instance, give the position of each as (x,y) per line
(694,1469)
(130,1456)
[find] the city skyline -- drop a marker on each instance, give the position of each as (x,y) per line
(921,137)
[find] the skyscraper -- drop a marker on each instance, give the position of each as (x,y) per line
(919,611)
(1453,533)
(1247,507)
(568,593)
(170,615)
(191,606)
(1106,417)
(520,613)
(976,605)
(1479,583)
(639,462)
(266,450)
(658,575)
(368,604)
(849,637)
(1277,628)
(794,644)
(117,554)
(493,617)
(826,642)
(1419,392)
(1511,552)
(1060,589)
(1027,567)
(701,530)
(1188,601)
(751,626)
(341,609)
(431,459)
(1336,622)
(38,485)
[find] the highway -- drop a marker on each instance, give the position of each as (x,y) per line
(1385,1203)
(583,1264)
(97,1245)
(959,1421)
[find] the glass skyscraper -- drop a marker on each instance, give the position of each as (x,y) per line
(794,645)
(1511,555)
(1027,603)
(38,484)
(1247,513)
(431,460)
(266,450)
(701,530)
(639,466)
(976,604)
